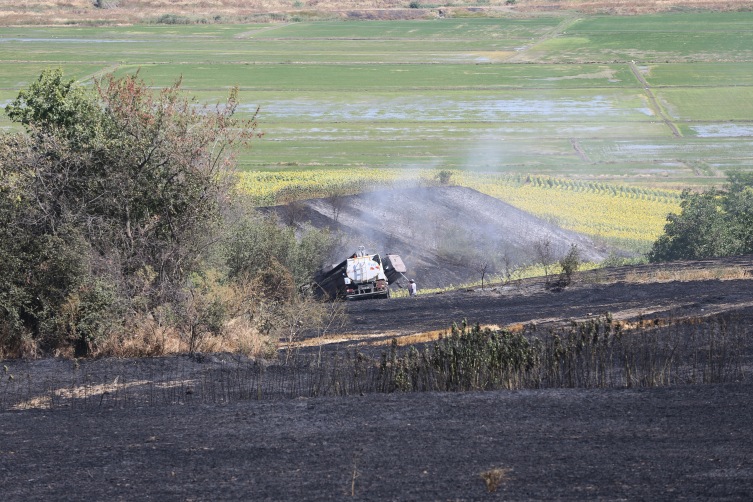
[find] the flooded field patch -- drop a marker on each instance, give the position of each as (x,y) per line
(597,106)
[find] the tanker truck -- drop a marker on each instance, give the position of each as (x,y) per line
(360,276)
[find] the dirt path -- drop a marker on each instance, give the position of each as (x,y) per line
(253,32)
(579,150)
(659,112)
(557,30)
(109,69)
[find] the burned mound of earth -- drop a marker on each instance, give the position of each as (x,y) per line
(416,223)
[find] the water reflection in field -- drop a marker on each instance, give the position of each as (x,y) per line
(467,108)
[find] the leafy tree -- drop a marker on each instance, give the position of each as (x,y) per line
(712,223)
(55,104)
(739,205)
(118,183)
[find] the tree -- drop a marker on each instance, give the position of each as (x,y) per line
(702,229)
(712,223)
(55,105)
(126,180)
(544,253)
(482,266)
(739,205)
(569,264)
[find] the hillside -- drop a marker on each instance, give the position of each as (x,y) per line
(425,226)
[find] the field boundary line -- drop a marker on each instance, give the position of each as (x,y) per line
(556,31)
(104,70)
(579,150)
(248,33)
(640,78)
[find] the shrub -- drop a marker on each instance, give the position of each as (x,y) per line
(258,240)
(569,264)
(443,176)
(105,185)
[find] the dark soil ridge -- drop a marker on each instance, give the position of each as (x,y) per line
(625,292)
(408,221)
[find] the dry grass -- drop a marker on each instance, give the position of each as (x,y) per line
(493,477)
(87,391)
(633,7)
(671,275)
(139,11)
(239,336)
(148,339)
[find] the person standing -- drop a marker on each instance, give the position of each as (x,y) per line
(412,290)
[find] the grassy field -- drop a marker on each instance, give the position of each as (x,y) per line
(387,77)
(699,74)
(556,95)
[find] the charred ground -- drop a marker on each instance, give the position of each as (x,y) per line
(426,225)
(664,443)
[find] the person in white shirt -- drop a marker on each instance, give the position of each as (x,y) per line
(412,288)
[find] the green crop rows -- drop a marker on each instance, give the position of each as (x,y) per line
(660,99)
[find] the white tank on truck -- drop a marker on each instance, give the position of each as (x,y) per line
(361,275)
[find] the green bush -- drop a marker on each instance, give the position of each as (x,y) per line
(569,264)
(712,223)
(256,241)
(443,176)
(105,185)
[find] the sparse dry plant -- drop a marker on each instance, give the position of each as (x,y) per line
(336,198)
(569,265)
(544,253)
(493,477)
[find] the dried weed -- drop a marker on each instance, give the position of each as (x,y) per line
(493,477)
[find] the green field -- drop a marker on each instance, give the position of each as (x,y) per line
(552,95)
(698,74)
(20,75)
(387,77)
(669,23)
(707,104)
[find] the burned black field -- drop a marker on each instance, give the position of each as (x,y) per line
(668,443)
(207,427)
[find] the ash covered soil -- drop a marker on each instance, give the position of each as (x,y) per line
(622,291)
(414,223)
(667,443)
(691,443)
